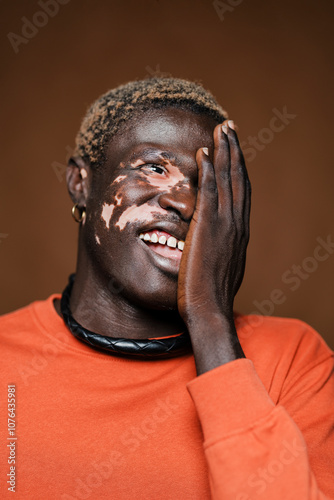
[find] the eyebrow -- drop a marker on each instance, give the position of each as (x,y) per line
(166,155)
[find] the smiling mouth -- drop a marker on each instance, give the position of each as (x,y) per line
(163,244)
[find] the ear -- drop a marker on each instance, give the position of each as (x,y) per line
(78,178)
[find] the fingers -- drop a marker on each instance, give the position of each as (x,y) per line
(224,185)
(222,163)
(231,166)
(241,185)
(207,195)
(238,172)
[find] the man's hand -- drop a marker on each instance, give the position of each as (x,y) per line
(213,260)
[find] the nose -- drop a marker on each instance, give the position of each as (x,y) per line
(181,200)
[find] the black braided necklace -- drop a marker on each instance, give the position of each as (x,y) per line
(138,348)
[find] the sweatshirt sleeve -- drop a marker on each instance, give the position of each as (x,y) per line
(254,448)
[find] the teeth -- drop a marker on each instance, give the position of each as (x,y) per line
(172,242)
(180,245)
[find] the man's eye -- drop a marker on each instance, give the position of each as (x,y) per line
(152,167)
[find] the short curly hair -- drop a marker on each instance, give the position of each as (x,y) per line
(105,116)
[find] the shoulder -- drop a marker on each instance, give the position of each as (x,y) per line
(17,317)
(287,338)
(284,350)
(26,319)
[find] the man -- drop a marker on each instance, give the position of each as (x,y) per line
(140,382)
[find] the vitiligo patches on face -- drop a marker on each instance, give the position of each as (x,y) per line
(137,163)
(118,198)
(171,179)
(107,211)
(142,213)
(119,179)
(160,182)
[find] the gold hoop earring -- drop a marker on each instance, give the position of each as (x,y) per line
(82,212)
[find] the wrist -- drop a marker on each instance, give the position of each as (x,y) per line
(214,340)
(208,315)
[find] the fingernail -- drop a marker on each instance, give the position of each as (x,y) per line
(224,129)
(205,151)
(231,124)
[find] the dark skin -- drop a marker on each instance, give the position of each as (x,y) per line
(158,177)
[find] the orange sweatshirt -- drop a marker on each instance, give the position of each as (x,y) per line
(87,425)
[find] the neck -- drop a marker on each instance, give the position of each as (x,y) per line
(110,314)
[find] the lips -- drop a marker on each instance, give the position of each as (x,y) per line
(166,254)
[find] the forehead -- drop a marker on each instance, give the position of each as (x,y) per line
(177,132)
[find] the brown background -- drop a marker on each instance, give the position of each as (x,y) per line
(262,55)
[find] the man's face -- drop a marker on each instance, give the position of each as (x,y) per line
(146,192)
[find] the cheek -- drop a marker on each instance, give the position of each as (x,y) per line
(106,214)
(130,201)
(108,209)
(114,199)
(135,202)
